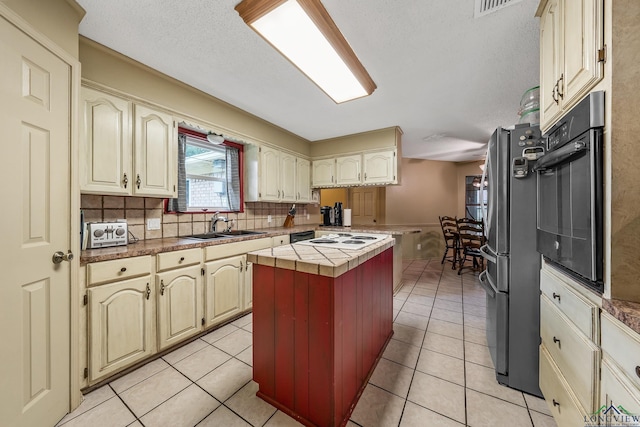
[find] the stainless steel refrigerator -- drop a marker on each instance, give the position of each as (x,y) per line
(511,278)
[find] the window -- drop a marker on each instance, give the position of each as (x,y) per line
(209,175)
(475,197)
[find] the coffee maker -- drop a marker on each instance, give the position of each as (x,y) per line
(327,213)
(337,214)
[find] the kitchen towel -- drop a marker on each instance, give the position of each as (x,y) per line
(346,221)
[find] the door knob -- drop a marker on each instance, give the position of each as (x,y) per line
(60,256)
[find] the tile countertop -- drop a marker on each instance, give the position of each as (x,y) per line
(323,261)
(625,311)
(155,246)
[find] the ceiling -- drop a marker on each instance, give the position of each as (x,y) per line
(446,78)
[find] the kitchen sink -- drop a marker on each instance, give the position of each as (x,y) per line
(223,234)
(206,236)
(239,232)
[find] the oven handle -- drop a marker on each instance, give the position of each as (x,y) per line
(558,156)
(486,255)
(485,283)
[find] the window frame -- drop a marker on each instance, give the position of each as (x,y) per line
(203,137)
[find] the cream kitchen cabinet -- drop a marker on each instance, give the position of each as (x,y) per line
(569,351)
(620,370)
(571,54)
(121,315)
(179,296)
(348,170)
(274,175)
(380,168)
(126,148)
(224,284)
(248,286)
(323,172)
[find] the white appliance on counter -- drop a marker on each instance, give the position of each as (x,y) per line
(349,241)
(106,234)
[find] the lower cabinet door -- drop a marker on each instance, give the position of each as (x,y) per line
(121,325)
(223,289)
(560,399)
(179,296)
(620,398)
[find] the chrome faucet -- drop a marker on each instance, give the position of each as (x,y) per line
(214,220)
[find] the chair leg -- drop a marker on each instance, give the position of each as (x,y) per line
(462,260)
(444,257)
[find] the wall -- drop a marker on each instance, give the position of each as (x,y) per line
(381,138)
(56,19)
(109,68)
(136,210)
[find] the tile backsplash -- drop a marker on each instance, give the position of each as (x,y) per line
(137,210)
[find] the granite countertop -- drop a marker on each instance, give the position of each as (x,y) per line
(625,311)
(156,246)
(318,260)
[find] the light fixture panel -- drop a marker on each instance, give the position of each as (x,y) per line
(308,38)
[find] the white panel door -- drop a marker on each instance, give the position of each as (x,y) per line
(105,147)
(35,107)
(550,62)
(323,172)
(379,168)
(288,177)
(303,180)
(269,174)
(156,153)
(348,170)
(223,289)
(179,294)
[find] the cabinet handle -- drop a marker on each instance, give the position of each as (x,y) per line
(138,181)
(241,265)
(125,180)
(123,269)
(638,371)
(556,340)
(278,194)
(553,94)
(161,287)
(365,175)
(556,296)
(181,259)
(558,85)
(358,176)
(148,290)
(555,402)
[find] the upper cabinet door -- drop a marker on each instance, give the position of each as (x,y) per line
(348,170)
(105,148)
(303,174)
(550,61)
(269,174)
(379,168)
(323,172)
(583,38)
(156,153)
(287,177)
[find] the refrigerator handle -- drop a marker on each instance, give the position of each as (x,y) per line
(483,207)
(486,285)
(486,255)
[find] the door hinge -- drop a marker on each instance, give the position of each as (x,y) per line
(202,271)
(203,321)
(85,299)
(602,54)
(85,373)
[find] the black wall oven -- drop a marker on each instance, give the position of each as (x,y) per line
(570,193)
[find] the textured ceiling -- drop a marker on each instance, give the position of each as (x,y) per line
(446,78)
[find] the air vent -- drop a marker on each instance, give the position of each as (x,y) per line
(485,7)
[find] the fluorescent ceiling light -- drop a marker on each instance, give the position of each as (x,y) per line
(305,34)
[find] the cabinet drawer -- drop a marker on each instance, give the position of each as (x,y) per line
(118,269)
(169,260)
(236,248)
(565,409)
(583,313)
(576,356)
(616,390)
(623,345)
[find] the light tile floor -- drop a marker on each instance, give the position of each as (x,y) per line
(436,371)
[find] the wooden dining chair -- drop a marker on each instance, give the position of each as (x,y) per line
(450,233)
(470,239)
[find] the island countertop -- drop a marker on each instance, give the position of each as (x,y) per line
(323,261)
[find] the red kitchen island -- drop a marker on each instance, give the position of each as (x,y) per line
(321,319)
